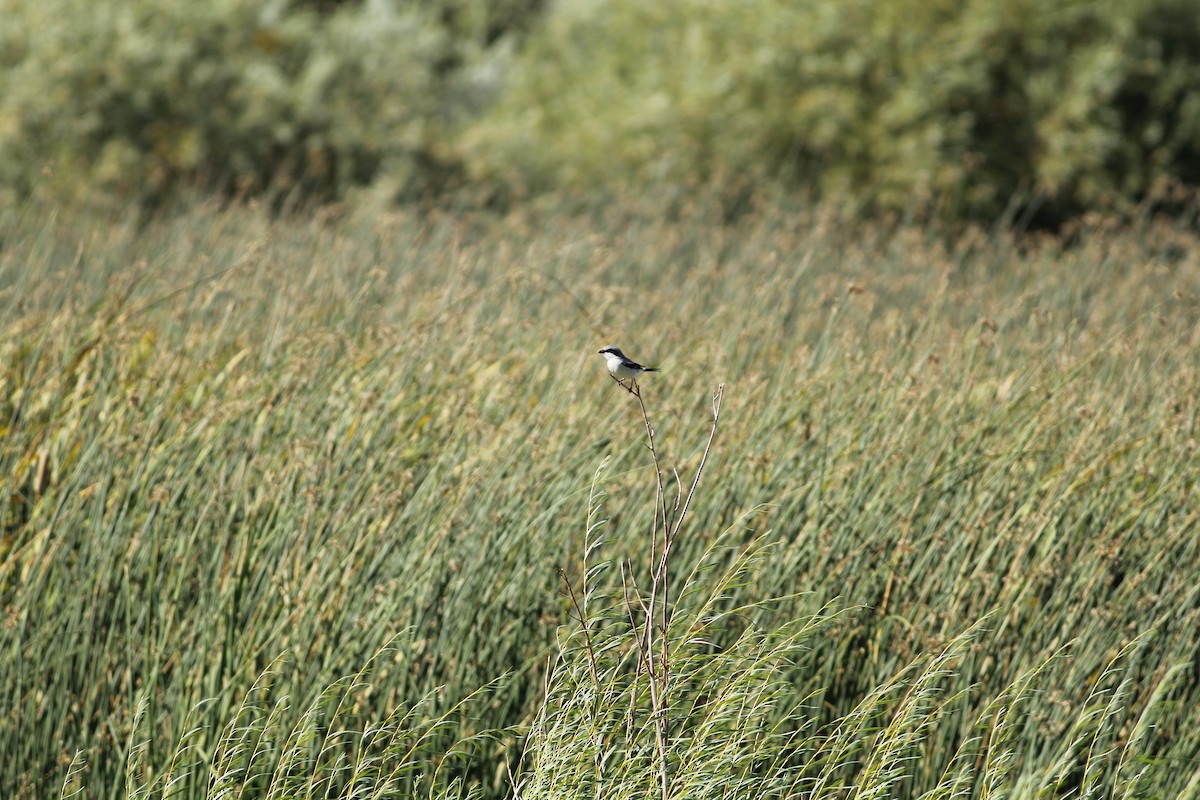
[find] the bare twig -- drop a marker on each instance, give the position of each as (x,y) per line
(663,576)
(660,499)
(678,492)
(655,606)
(646,661)
(587,633)
(626,576)
(718,396)
(629,387)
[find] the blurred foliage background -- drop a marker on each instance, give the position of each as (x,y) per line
(966,110)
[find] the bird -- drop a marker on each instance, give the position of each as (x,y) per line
(623,368)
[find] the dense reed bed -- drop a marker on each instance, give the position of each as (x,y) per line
(346,506)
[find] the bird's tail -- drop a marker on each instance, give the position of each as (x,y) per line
(653,369)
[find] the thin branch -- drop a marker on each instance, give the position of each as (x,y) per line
(660,499)
(718,396)
(626,571)
(658,708)
(669,539)
(678,491)
(656,606)
(587,634)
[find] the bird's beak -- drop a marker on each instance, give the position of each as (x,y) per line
(600,352)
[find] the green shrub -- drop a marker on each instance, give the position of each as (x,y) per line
(134,96)
(961,109)
(958,110)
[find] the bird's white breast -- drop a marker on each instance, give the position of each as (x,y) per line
(617,368)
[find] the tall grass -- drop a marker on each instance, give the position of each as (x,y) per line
(286,502)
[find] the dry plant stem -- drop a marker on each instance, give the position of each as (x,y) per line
(645,661)
(659,574)
(645,645)
(587,634)
(626,577)
(591,651)
(663,573)
(718,396)
(656,608)
(660,501)
(646,637)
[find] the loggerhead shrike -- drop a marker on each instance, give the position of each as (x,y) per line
(621,367)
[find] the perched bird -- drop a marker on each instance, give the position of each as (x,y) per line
(622,368)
